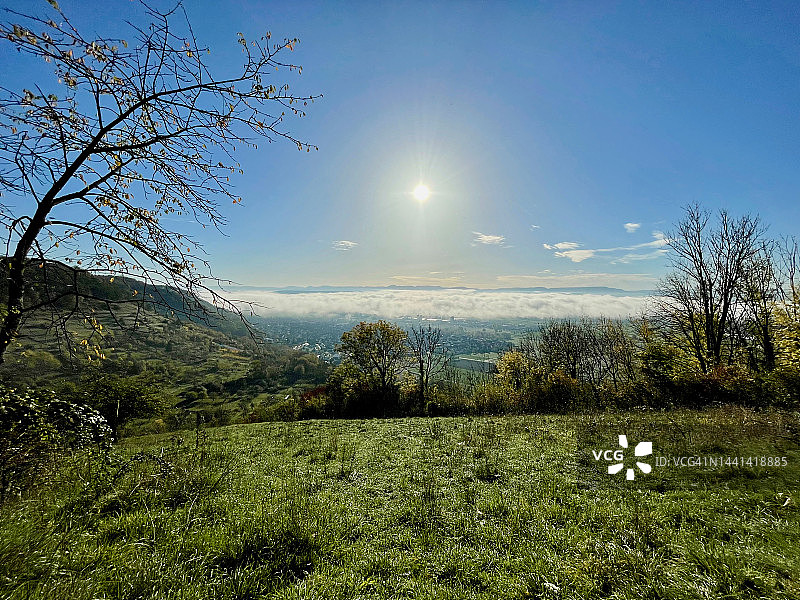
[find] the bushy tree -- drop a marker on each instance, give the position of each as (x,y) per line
(513,369)
(375,354)
(119,399)
(351,393)
(378,350)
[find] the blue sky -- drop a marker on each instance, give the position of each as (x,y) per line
(559,140)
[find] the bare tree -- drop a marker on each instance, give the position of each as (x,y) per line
(597,351)
(698,299)
(429,357)
(788,269)
(787,309)
(136,133)
(760,289)
(615,352)
(560,344)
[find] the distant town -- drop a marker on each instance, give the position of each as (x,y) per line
(465,339)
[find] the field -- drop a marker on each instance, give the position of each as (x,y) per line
(411,508)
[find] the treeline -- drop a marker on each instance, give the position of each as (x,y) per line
(567,365)
(724,327)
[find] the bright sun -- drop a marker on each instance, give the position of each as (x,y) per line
(421,192)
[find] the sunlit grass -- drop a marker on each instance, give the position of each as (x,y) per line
(401,508)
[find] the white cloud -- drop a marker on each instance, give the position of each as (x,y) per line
(569,250)
(576,255)
(467,303)
(659,241)
(646,256)
(485,238)
(632,227)
(344,245)
(562,246)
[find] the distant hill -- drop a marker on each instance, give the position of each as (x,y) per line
(323,289)
(57,283)
(161,327)
(207,361)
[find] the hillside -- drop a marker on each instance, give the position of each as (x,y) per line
(209,362)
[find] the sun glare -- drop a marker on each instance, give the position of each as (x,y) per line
(421,192)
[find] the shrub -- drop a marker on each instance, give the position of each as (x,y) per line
(561,393)
(313,403)
(784,387)
(351,393)
(282,410)
(493,398)
(35,429)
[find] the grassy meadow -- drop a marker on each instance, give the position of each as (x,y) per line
(408,508)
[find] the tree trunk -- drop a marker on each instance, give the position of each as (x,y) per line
(16,279)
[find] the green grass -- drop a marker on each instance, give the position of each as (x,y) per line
(405,508)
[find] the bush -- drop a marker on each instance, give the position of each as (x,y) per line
(35,429)
(784,385)
(351,393)
(532,389)
(217,416)
(561,393)
(313,403)
(283,410)
(493,398)
(448,401)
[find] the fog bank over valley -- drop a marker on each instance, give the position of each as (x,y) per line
(443,303)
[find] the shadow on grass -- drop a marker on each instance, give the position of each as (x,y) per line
(287,553)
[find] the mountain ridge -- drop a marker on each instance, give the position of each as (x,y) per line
(311,289)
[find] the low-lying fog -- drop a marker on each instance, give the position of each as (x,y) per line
(460,303)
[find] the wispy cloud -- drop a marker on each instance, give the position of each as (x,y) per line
(485,238)
(546,278)
(634,257)
(570,250)
(466,303)
(576,255)
(440,278)
(344,245)
(659,241)
(562,246)
(632,227)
